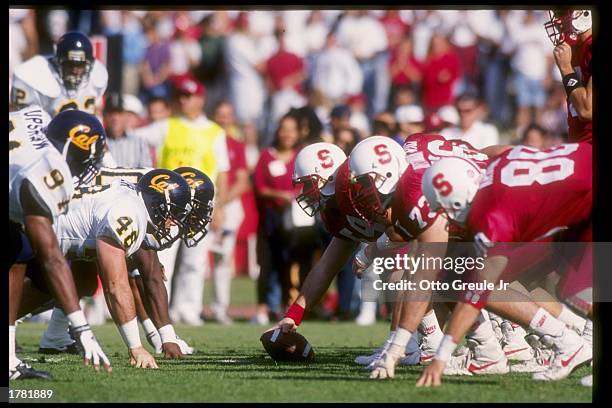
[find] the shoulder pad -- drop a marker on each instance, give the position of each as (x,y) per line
(36,73)
(99,76)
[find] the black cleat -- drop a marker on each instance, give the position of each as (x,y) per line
(25,372)
(74,348)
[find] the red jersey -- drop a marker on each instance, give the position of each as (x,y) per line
(411,214)
(340,218)
(580,131)
(528,194)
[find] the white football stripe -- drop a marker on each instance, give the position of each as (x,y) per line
(275,335)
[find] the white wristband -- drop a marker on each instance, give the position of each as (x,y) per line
(167,334)
(148,326)
(129,332)
(77,319)
(446,348)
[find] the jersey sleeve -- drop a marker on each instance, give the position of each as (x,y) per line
(122,224)
(22,94)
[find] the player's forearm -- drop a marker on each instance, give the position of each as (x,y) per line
(137,292)
(120,301)
(317,281)
(581,101)
(461,320)
(61,284)
(155,299)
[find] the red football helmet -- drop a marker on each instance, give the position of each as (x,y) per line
(566,25)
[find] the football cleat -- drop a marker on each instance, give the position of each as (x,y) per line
(514,345)
(366,360)
(542,356)
(429,346)
(570,352)
(73,348)
(24,372)
(479,359)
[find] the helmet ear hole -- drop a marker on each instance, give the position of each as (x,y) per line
(389,175)
(456,205)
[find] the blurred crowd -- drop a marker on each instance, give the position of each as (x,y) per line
(276,81)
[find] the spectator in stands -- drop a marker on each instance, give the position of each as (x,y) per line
(185,52)
(404,95)
(384,124)
(285,73)
(404,68)
(245,67)
(155,67)
(531,65)
(211,69)
(441,70)
(339,118)
(471,128)
(359,120)
(395,28)
(134,111)
(364,36)
(535,136)
(274,190)
(346,139)
(126,149)
(554,115)
(336,75)
(311,128)
(158,109)
(410,119)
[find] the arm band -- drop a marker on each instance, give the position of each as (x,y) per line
(446,348)
(571,82)
(129,333)
(167,334)
(295,312)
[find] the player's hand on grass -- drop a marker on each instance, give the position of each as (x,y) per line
(140,358)
(286,325)
(432,374)
(92,352)
(384,367)
(172,350)
(185,348)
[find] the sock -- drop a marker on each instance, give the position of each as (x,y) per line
(57,330)
(571,319)
(13,360)
(430,327)
(545,323)
(482,331)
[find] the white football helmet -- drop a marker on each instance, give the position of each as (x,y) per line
(566,25)
(314,176)
(451,184)
(376,165)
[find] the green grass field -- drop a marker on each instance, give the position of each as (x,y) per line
(230,365)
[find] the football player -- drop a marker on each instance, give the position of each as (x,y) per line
(398,202)
(512,203)
(321,175)
(110,223)
(46,163)
(70,79)
(571,33)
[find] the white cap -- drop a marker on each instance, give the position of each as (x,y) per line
(449,114)
(409,114)
(133,104)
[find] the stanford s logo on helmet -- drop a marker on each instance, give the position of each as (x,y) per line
(314,175)
(376,165)
(81,139)
(167,197)
(202,197)
(74,58)
(567,25)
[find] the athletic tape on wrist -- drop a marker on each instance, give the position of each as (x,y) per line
(571,81)
(446,348)
(148,326)
(130,334)
(295,312)
(167,334)
(77,319)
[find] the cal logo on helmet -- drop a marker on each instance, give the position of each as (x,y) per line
(79,136)
(191,180)
(159,183)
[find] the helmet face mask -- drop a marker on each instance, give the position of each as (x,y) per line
(308,195)
(202,193)
(167,197)
(73,73)
(564,26)
(365,197)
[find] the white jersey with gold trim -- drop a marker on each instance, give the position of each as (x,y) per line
(114,211)
(37,81)
(32,157)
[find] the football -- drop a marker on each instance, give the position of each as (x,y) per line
(287,347)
